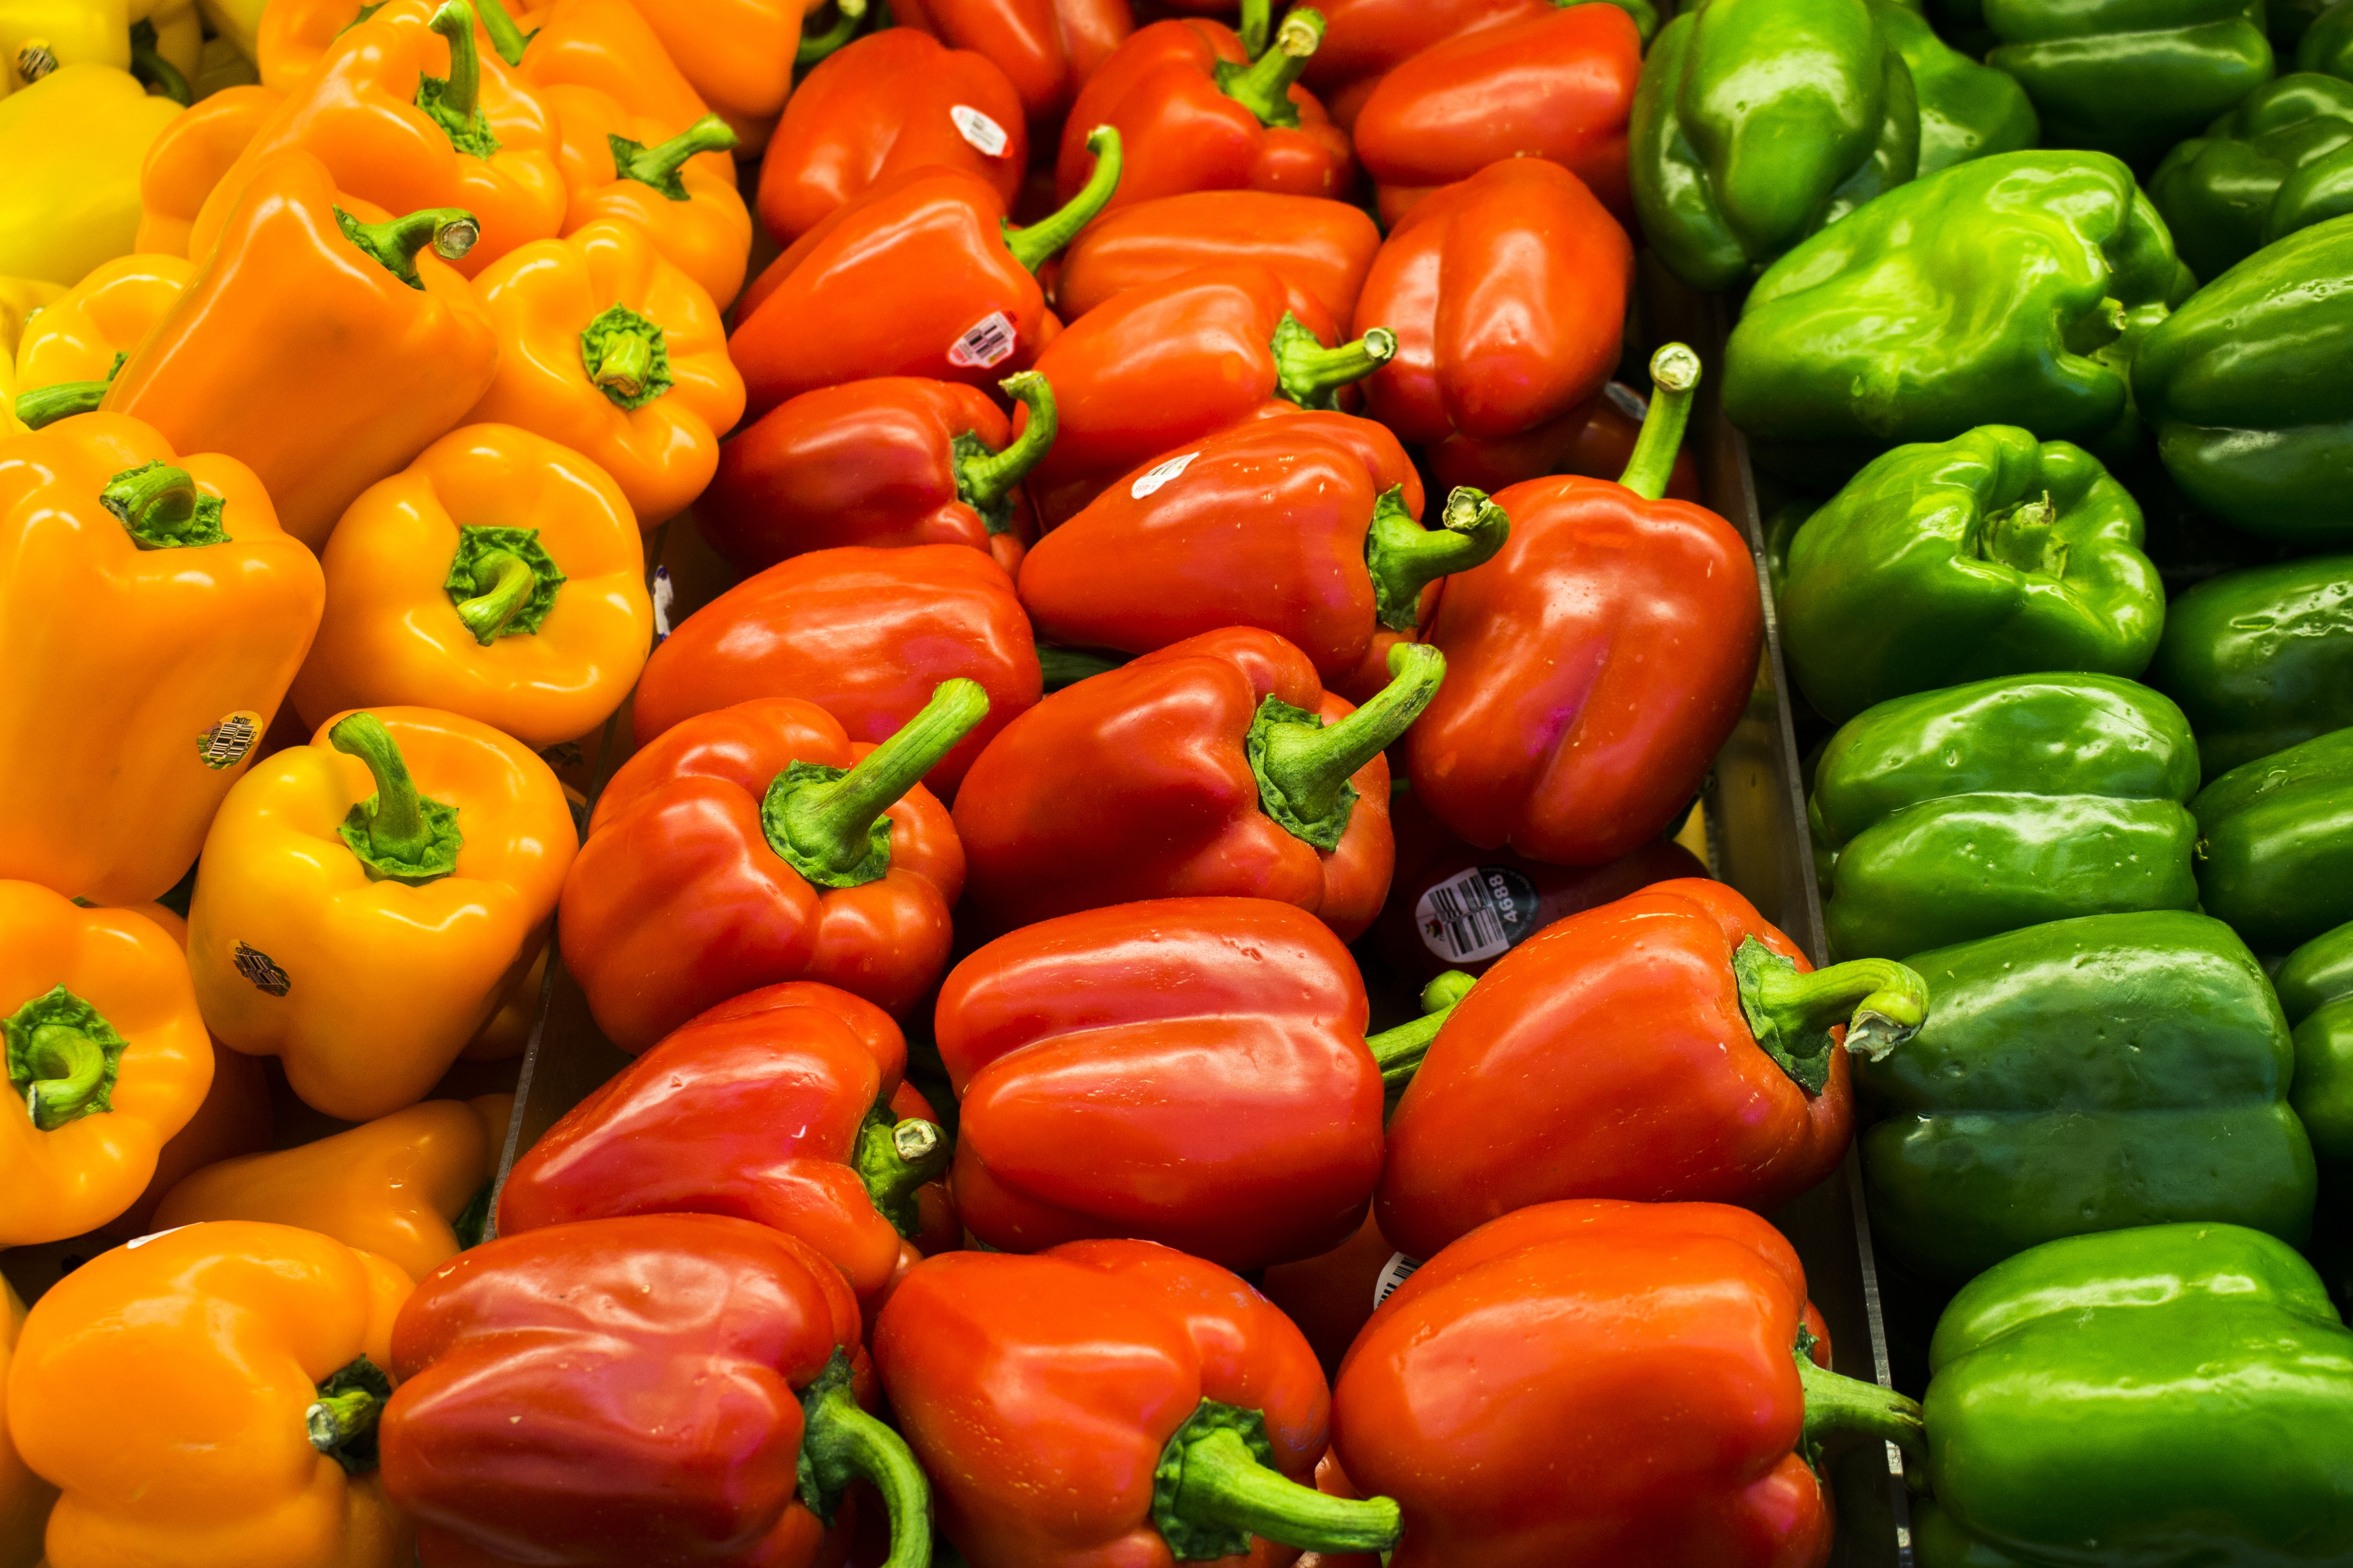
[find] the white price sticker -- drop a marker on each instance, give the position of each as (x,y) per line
(1400,1269)
(985,135)
(986,342)
(1159,475)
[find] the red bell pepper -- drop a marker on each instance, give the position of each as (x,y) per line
(1596,439)
(775,1107)
(1364,40)
(736,852)
(1112,1402)
(1558,85)
(1333,547)
(1507,293)
(1667,1047)
(890,463)
(1604,1383)
(921,277)
(1197,112)
(1321,249)
(665,1388)
(1173,362)
(1216,767)
(865,633)
(1600,659)
(1047,49)
(890,102)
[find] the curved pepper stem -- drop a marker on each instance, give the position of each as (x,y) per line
(1303,765)
(1839,1404)
(894,1159)
(1264,86)
(815,47)
(394,244)
(658,166)
(1035,246)
(984,479)
(840,1443)
(398,834)
(508,40)
(160,508)
(1399,1051)
(501,581)
(1215,1486)
(1675,373)
(162,78)
(830,825)
(62,1058)
(46,405)
(627,356)
(1881,1002)
(454,102)
(2019,537)
(342,1422)
(1404,557)
(1308,374)
(486,614)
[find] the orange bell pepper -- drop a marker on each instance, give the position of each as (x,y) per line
(678,184)
(608,349)
(499,576)
(70,352)
(191,156)
(364,901)
(293,353)
(400,1188)
(151,616)
(106,1059)
(600,44)
(407,110)
(294,35)
(739,54)
(25,1498)
(208,1398)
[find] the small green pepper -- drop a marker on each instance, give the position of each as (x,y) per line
(2129,77)
(2316,992)
(2275,843)
(2261,658)
(2280,161)
(1967,111)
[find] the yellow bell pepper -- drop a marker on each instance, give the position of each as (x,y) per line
(72,349)
(19,298)
(162,42)
(72,143)
(106,1057)
(25,1498)
(208,1398)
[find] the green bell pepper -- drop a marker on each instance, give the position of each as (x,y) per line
(2288,21)
(2327,43)
(1756,122)
(2129,77)
(2249,387)
(2172,1395)
(2084,1075)
(1967,111)
(2261,658)
(1988,555)
(2316,992)
(2006,290)
(2280,161)
(1951,815)
(2275,843)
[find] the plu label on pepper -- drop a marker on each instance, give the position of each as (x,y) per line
(226,743)
(987,342)
(1476,914)
(985,135)
(261,970)
(1398,1269)
(1160,475)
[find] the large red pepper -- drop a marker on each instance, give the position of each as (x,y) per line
(922,277)
(1507,293)
(1596,439)
(892,102)
(1332,546)
(1112,1402)
(1599,660)
(1668,1047)
(891,462)
(1217,766)
(1047,49)
(736,852)
(1364,40)
(667,1388)
(1604,1383)
(1173,362)
(1321,247)
(1558,85)
(865,633)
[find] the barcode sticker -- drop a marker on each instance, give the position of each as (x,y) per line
(225,745)
(261,970)
(986,342)
(1477,913)
(1160,474)
(1626,400)
(985,135)
(1398,1270)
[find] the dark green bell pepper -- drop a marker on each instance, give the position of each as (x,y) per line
(2280,161)
(2316,992)
(2174,1396)
(1967,110)
(2327,43)
(2275,843)
(2084,1075)
(2261,658)
(2129,77)
(2250,388)
(1988,555)
(1757,122)
(2288,21)
(1949,815)
(2006,290)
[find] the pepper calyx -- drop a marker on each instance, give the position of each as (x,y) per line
(63,1058)
(1882,1003)
(627,355)
(1403,557)
(985,478)
(894,1158)
(160,508)
(832,825)
(1215,1486)
(1303,765)
(501,581)
(841,1442)
(454,102)
(341,1422)
(398,834)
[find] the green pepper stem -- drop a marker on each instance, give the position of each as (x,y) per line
(155,502)
(507,38)
(455,22)
(1035,246)
(1675,373)
(511,584)
(1840,1404)
(397,833)
(894,1159)
(832,829)
(1307,372)
(1882,1003)
(1264,87)
(1258,16)
(1404,557)
(46,405)
(658,165)
(162,78)
(338,1418)
(394,243)
(1399,1051)
(985,478)
(1311,766)
(1222,1483)
(816,47)
(71,1069)
(623,361)
(841,1443)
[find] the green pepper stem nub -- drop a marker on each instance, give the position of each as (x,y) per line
(983,478)
(1303,769)
(163,79)
(841,1443)
(62,1058)
(394,242)
(341,1422)
(1404,557)
(1840,1404)
(894,1159)
(462,92)
(1675,373)
(507,38)
(815,46)
(1214,1489)
(830,825)
(1037,244)
(1882,1003)
(1399,1051)
(512,582)
(398,834)
(1258,16)
(1308,374)
(160,508)
(658,166)
(1264,86)
(62,400)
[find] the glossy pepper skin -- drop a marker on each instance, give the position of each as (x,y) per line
(1364,40)
(2316,992)
(499,576)
(133,714)
(72,349)
(25,1499)
(1214,767)
(889,463)
(1321,247)
(1658,1351)
(2253,409)
(1596,439)
(2274,840)
(769,861)
(1048,49)
(2261,658)
(106,1059)
(1578,760)
(675,1374)
(1967,110)
(675,181)
(774,1107)
(1507,293)
(1557,87)
(1843,347)
(2140,1389)
(250,1361)
(2130,80)
(607,45)
(1988,555)
(1949,815)
(20,299)
(2275,164)
(367,986)
(74,141)
(866,634)
(738,54)
(322,364)
(1111,1402)
(191,156)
